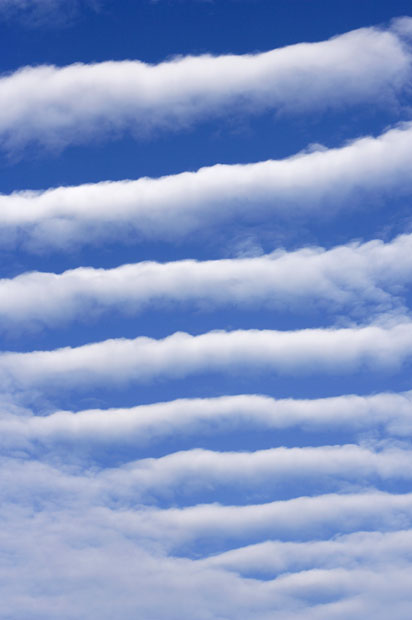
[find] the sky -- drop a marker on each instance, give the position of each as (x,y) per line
(205,309)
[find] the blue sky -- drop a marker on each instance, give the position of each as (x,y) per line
(205,309)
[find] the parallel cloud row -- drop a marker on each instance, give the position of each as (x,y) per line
(323,550)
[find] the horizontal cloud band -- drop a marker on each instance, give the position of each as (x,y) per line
(181,474)
(260,472)
(273,557)
(181,354)
(315,516)
(352,276)
(112,549)
(55,105)
(319,515)
(144,424)
(171,207)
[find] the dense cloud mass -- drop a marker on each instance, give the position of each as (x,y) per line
(151,424)
(359,278)
(174,207)
(118,361)
(62,105)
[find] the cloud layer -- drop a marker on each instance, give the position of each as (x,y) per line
(232,507)
(99,552)
(150,424)
(171,207)
(355,277)
(54,105)
(119,361)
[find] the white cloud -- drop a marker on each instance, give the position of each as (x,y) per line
(82,539)
(295,518)
(110,495)
(355,277)
(102,573)
(118,361)
(259,474)
(63,105)
(182,475)
(275,556)
(173,206)
(145,424)
(66,550)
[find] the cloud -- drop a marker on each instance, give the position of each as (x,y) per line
(187,475)
(273,557)
(64,542)
(112,496)
(358,278)
(87,530)
(196,530)
(318,516)
(147,424)
(260,474)
(103,573)
(119,361)
(59,106)
(97,542)
(172,207)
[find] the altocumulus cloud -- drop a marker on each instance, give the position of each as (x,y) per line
(230,506)
(95,529)
(144,425)
(118,361)
(357,277)
(53,105)
(172,207)
(116,562)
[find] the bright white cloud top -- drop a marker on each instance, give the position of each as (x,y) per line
(352,277)
(172,207)
(180,355)
(48,104)
(185,418)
